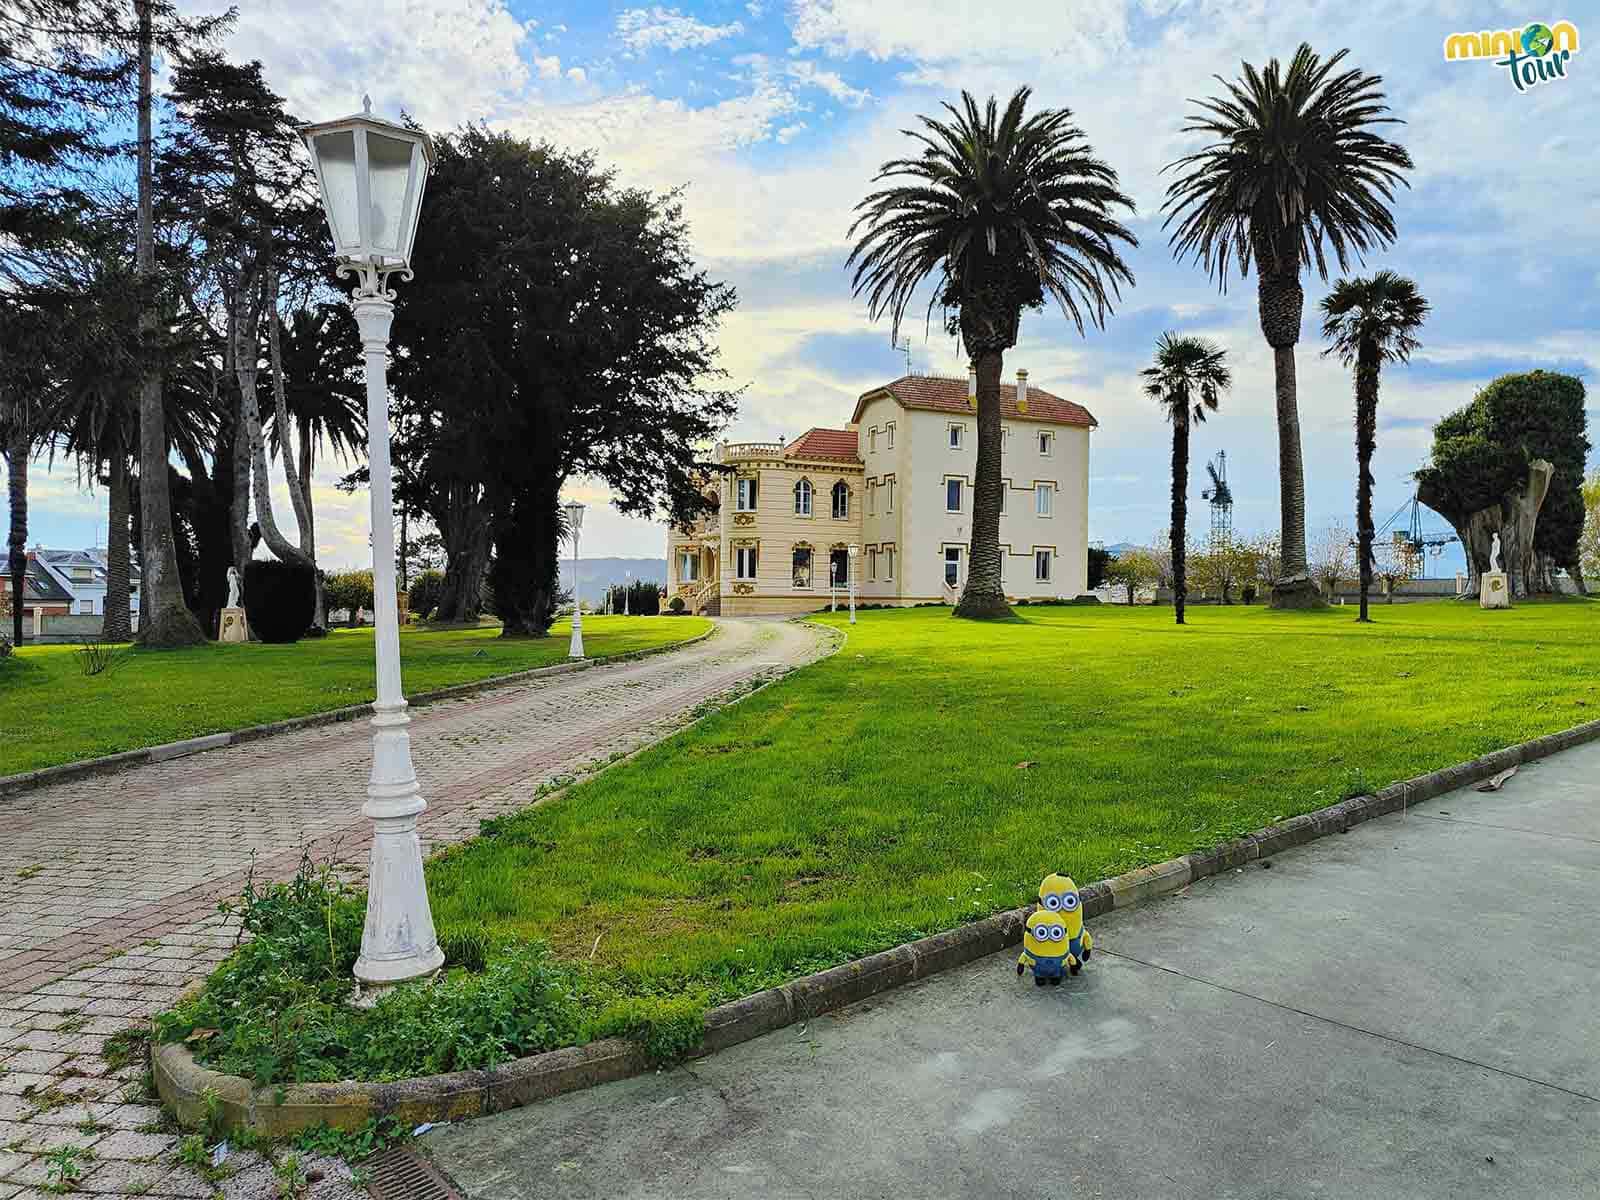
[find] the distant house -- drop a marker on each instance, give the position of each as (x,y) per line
(897,482)
(43,595)
(82,573)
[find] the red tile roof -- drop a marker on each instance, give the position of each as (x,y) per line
(825,443)
(940,394)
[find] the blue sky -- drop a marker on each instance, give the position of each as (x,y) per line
(773,114)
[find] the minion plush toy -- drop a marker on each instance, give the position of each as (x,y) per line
(1054,940)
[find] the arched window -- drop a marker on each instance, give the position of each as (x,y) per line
(841,501)
(802,498)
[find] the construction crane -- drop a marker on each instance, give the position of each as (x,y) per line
(1412,543)
(1221,497)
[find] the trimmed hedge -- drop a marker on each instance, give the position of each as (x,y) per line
(280,599)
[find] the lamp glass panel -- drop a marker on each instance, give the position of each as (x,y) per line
(389,167)
(336,156)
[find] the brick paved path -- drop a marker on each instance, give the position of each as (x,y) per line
(109,885)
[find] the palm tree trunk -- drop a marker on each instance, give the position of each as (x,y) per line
(1281,302)
(1180,510)
(1367,366)
(984,597)
(117,625)
(164,618)
(17,479)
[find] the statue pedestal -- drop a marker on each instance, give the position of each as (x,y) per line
(231,626)
(1494,591)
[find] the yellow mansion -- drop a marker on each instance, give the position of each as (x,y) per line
(897,481)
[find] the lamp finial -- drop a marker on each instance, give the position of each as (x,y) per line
(366,104)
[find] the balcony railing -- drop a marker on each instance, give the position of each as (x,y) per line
(729,451)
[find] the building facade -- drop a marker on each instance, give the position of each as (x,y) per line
(83,574)
(897,482)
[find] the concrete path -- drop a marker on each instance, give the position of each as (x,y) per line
(109,886)
(1409,1010)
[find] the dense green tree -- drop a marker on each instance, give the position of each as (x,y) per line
(1368,322)
(350,590)
(1296,166)
(1479,462)
(66,71)
(563,331)
(236,181)
(1186,379)
(1003,212)
(1099,560)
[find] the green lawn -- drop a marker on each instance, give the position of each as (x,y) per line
(935,770)
(930,772)
(51,712)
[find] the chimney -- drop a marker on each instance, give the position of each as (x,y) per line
(972,383)
(1022,390)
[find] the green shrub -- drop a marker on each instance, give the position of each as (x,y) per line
(350,590)
(277,1010)
(675,606)
(280,599)
(424,594)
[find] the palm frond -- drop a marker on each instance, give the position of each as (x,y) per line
(1297,163)
(1384,310)
(999,211)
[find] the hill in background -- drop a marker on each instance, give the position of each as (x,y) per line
(597,574)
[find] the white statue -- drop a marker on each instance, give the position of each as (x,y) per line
(1494,553)
(234,587)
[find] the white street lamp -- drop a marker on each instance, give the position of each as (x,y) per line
(833,587)
(855,552)
(627,589)
(371,174)
(574,525)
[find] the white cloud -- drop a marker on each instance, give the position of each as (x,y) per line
(809,74)
(577,75)
(645,29)
(939,31)
(445,61)
(549,67)
(789,132)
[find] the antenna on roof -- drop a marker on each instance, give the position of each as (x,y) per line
(904,346)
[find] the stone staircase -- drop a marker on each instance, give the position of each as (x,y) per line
(711,606)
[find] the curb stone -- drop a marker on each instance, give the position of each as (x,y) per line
(182,1083)
(27,781)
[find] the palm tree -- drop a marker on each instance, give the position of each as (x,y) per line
(320,390)
(1187,378)
(1006,212)
(1369,322)
(1296,162)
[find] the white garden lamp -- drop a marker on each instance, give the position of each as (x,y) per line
(370,174)
(850,569)
(627,589)
(574,527)
(833,585)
